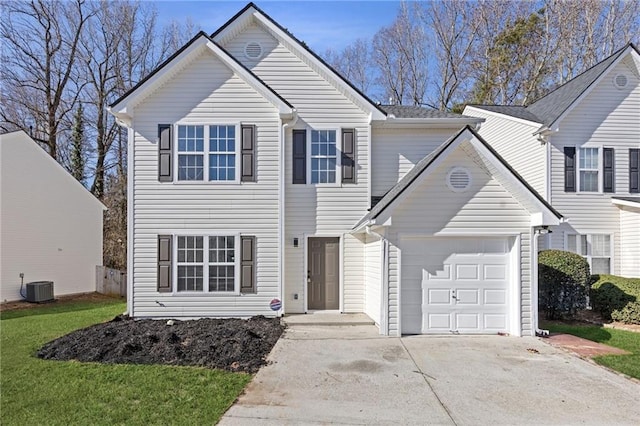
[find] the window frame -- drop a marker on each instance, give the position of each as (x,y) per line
(310,157)
(589,255)
(207,152)
(206,264)
(599,170)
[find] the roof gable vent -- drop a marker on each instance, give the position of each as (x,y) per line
(253,50)
(458,179)
(620,81)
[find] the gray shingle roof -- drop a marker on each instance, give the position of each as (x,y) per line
(512,110)
(550,107)
(420,167)
(405,111)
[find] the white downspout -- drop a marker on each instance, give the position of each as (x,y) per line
(384,268)
(281,208)
(534,284)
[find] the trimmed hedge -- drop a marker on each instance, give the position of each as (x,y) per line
(563,283)
(616,298)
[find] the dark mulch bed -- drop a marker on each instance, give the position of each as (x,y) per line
(227,344)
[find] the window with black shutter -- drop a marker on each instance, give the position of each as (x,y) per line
(569,169)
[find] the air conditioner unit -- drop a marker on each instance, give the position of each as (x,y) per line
(40,291)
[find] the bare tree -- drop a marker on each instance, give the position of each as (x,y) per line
(400,53)
(454,31)
(354,63)
(40,84)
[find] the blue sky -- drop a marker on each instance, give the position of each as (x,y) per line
(321,24)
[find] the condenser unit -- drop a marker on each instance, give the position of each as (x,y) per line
(40,291)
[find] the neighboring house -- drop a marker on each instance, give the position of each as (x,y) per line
(579,146)
(50,225)
(253,173)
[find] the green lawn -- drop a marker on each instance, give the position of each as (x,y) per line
(627,340)
(39,392)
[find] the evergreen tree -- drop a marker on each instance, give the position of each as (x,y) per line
(77,147)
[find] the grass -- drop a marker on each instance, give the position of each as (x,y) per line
(627,340)
(39,392)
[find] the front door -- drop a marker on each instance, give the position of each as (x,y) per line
(323,275)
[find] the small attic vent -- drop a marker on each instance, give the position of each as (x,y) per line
(620,81)
(458,179)
(253,50)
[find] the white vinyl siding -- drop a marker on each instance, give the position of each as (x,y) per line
(606,117)
(515,142)
(205,91)
(373,279)
(314,210)
(50,225)
(486,209)
(629,242)
(396,151)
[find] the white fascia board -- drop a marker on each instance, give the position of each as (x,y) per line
(284,109)
(121,109)
(500,115)
(376,114)
(547,216)
(626,203)
(412,123)
(556,124)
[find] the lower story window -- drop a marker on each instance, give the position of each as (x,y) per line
(216,269)
(596,248)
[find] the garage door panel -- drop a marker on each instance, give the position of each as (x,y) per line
(495,296)
(440,322)
(439,296)
(497,322)
(495,272)
(467,297)
(467,272)
(467,322)
(461,282)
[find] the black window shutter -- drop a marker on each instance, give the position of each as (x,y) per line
(569,169)
(348,156)
(247,264)
(248,153)
(164,263)
(299,156)
(608,177)
(165,166)
(634,170)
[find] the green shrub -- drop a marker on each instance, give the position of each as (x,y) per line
(630,314)
(611,295)
(563,281)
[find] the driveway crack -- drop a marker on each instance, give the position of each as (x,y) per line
(426,378)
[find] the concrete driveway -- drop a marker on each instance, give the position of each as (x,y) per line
(350,375)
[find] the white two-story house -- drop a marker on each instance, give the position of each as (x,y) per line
(579,146)
(263,183)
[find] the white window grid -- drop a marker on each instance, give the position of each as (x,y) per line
(222,153)
(190,152)
(218,270)
(589,169)
(219,158)
(596,248)
(324,156)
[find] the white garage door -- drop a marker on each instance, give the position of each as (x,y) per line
(455,285)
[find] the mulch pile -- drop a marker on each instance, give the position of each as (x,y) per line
(227,344)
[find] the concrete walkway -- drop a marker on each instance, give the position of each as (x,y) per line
(351,375)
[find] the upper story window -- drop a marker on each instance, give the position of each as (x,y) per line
(218,160)
(596,248)
(589,169)
(324,157)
